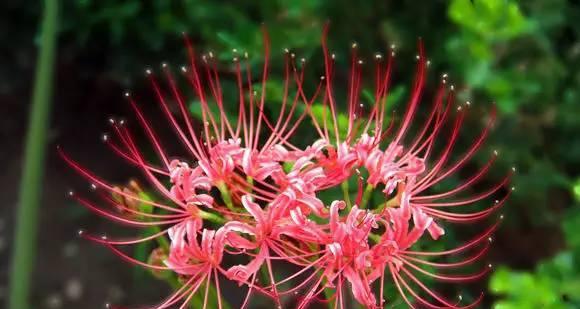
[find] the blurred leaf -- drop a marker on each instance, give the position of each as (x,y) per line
(491,19)
(323,113)
(576,189)
(570,227)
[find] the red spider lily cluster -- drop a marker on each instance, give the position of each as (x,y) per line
(249,191)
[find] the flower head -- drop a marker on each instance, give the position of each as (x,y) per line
(251,190)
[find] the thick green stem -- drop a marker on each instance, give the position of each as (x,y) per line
(225,193)
(346,193)
(366,196)
(264,275)
(147,208)
(162,240)
(374,237)
(211,217)
(329,293)
(195,302)
(31,181)
(394,202)
(250,181)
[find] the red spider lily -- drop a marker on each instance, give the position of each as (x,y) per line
(345,259)
(392,253)
(269,207)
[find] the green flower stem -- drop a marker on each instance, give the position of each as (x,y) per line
(195,302)
(226,195)
(162,241)
(212,301)
(31,181)
(148,208)
(394,202)
(345,192)
(250,181)
(211,217)
(264,275)
(329,293)
(366,196)
(374,237)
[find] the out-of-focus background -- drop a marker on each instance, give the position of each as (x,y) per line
(522,55)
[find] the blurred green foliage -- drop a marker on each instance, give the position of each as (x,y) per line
(524,56)
(555,283)
(485,26)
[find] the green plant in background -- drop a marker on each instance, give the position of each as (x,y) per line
(510,52)
(33,169)
(554,283)
(153,27)
(487,27)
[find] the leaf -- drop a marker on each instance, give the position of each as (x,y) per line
(570,227)
(490,19)
(576,189)
(196,111)
(320,112)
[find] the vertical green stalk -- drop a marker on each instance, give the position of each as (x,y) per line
(346,194)
(366,196)
(329,293)
(31,181)
(225,193)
